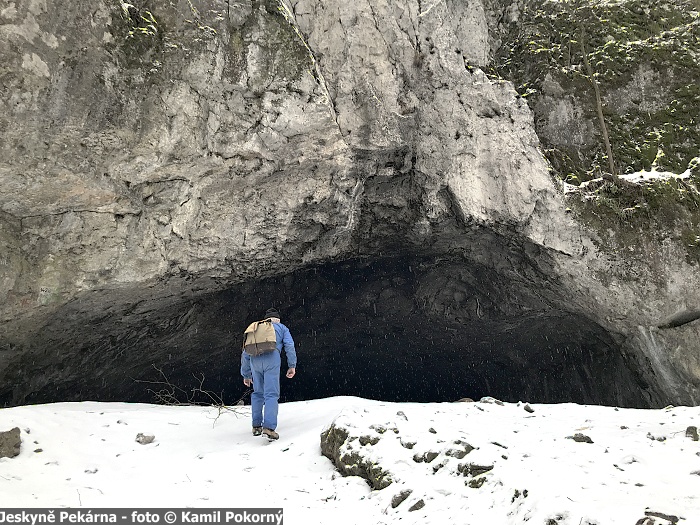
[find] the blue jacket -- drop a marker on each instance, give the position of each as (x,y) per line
(284,342)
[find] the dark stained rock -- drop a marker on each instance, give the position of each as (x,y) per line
(476,483)
(459,453)
(417,505)
(351,464)
(438,466)
(430,456)
(369,440)
(580,438)
(472,469)
(399,498)
(670,518)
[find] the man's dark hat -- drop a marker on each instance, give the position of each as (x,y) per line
(272,312)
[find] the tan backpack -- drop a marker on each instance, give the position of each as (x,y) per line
(260,338)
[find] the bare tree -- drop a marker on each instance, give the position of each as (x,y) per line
(599,105)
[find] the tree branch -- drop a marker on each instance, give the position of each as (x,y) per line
(173,395)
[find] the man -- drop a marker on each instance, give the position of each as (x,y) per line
(263,371)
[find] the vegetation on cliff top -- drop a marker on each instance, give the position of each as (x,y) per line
(645,59)
(645,55)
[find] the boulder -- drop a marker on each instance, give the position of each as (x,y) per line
(580,438)
(144,439)
(10,443)
(334,441)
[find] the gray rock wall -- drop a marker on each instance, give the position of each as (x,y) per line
(171,150)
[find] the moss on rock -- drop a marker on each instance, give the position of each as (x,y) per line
(627,215)
(644,57)
(138,35)
(351,463)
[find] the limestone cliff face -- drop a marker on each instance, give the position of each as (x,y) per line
(155,156)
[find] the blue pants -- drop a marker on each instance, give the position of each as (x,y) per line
(266,389)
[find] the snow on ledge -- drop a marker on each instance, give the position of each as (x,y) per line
(653,175)
(638,177)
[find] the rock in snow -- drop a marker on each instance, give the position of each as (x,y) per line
(144,439)
(10,443)
(692,433)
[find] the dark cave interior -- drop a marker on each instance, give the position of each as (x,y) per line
(417,329)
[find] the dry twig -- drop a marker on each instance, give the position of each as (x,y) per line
(173,395)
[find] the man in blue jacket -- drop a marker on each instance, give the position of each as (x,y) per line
(263,371)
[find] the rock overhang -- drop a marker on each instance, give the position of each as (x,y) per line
(418,325)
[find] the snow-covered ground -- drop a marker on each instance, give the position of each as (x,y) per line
(85,454)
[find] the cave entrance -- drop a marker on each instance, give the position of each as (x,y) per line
(427,329)
(409,328)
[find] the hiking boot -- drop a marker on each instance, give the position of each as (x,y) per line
(270,434)
(257,431)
